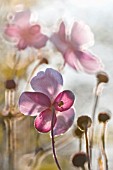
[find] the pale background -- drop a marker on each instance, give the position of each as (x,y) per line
(98,14)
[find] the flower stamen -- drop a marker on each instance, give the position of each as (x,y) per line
(61,103)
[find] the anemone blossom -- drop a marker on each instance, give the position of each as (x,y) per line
(73,47)
(48,100)
(24,34)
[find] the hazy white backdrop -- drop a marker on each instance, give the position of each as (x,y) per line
(98,14)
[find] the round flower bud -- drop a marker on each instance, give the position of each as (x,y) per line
(84,122)
(77,132)
(102,77)
(103,117)
(10,84)
(79,159)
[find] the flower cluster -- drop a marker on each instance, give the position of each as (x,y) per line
(73,47)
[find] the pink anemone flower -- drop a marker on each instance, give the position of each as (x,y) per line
(24,34)
(73,47)
(48,100)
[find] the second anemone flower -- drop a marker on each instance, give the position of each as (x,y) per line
(23,33)
(48,100)
(74,47)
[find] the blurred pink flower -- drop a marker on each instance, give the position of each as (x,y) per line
(45,100)
(73,47)
(23,33)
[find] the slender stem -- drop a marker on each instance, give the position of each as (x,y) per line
(41,61)
(93,120)
(83,168)
(53,142)
(8,123)
(17,60)
(103,145)
(60,144)
(80,144)
(87,149)
(95,106)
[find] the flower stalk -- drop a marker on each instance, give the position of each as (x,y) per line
(102,77)
(53,142)
(103,146)
(87,149)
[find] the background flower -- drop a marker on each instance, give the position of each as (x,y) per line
(22,33)
(74,47)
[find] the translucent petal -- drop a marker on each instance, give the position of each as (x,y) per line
(32,103)
(71,59)
(89,62)
(21,44)
(64,121)
(12,31)
(43,121)
(48,82)
(39,40)
(22,18)
(64,100)
(61,31)
(81,35)
(34,29)
(59,39)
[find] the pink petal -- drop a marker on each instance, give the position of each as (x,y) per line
(64,121)
(81,35)
(22,19)
(43,121)
(12,31)
(39,41)
(89,62)
(21,44)
(71,59)
(34,29)
(59,39)
(48,82)
(32,103)
(64,100)
(61,31)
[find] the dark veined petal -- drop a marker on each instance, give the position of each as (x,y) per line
(64,100)
(48,82)
(32,103)
(64,121)
(43,121)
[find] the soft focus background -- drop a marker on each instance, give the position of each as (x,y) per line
(98,14)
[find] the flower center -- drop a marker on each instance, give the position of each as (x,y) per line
(60,103)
